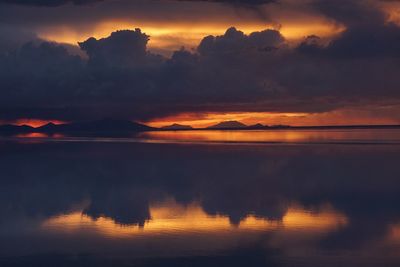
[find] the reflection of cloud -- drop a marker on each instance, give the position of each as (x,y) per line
(170,218)
(242,191)
(176,230)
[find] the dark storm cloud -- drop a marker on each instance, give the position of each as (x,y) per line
(231,72)
(121,48)
(351,12)
(368,33)
(233,41)
(49,3)
(13,37)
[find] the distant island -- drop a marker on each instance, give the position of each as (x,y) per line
(176,126)
(113,127)
(228,125)
(103,127)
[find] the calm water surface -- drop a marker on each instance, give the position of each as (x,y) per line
(333,136)
(330,200)
(279,136)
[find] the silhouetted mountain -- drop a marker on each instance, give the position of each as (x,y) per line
(10,128)
(47,127)
(176,126)
(256,126)
(100,126)
(282,126)
(228,125)
(112,127)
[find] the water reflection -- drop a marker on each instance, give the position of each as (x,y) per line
(321,136)
(124,204)
(171,218)
(39,135)
(280,136)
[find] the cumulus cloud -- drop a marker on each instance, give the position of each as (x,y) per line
(233,41)
(121,48)
(14,37)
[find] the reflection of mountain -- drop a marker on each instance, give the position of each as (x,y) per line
(228,125)
(109,127)
(126,128)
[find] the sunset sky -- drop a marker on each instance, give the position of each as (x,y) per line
(297,62)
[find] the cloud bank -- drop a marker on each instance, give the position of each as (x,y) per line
(233,72)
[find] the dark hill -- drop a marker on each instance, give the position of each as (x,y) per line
(10,128)
(100,126)
(176,126)
(256,126)
(228,125)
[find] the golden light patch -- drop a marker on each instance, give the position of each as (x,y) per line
(392,10)
(368,115)
(200,120)
(171,218)
(173,36)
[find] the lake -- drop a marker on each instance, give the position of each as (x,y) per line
(202,198)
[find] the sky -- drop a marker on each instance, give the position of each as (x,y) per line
(297,62)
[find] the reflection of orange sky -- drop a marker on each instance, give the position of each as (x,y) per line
(172,218)
(39,135)
(32,135)
(274,136)
(173,36)
(394,232)
(392,9)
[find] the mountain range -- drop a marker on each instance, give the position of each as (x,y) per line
(105,126)
(112,127)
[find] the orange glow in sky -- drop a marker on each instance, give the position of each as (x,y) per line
(35,122)
(207,119)
(337,117)
(171,37)
(392,9)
